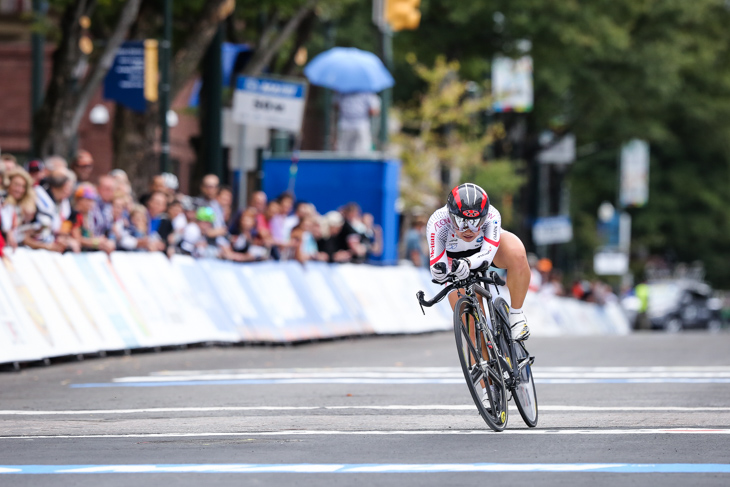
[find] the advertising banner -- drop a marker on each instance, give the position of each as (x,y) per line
(204,298)
(47,267)
(95,313)
(62,337)
(21,337)
(635,173)
(512,84)
(105,289)
(238,301)
(281,306)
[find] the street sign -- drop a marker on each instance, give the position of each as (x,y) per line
(271,103)
(610,263)
(133,70)
(512,84)
(560,152)
(635,173)
(552,230)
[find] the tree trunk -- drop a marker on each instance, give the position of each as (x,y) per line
(135,134)
(69,92)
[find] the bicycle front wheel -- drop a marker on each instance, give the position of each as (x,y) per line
(481,366)
(524,393)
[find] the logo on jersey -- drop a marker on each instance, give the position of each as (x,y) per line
(433,243)
(453,246)
(480,240)
(470,213)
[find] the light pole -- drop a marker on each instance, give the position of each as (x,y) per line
(37,84)
(165,51)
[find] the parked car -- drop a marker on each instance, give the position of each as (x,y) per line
(679,305)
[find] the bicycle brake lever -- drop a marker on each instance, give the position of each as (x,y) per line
(419,296)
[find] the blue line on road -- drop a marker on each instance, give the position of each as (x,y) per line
(232,382)
(372,468)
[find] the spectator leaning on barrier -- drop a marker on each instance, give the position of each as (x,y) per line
(209,194)
(52,209)
(176,215)
(330,243)
(19,208)
(225,201)
(415,238)
(243,245)
(83,166)
(196,241)
(80,221)
(350,236)
(372,236)
(101,214)
(159,225)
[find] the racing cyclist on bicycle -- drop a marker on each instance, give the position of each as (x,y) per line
(467,234)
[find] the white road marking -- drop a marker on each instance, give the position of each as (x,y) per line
(372,468)
(508,432)
(395,407)
(427,373)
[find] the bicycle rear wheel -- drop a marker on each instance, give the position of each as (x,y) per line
(480,365)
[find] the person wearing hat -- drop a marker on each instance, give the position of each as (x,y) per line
(195,240)
(79,224)
(37,170)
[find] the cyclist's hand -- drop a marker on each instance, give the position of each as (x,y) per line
(460,269)
(438,272)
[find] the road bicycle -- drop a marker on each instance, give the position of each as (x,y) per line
(493,363)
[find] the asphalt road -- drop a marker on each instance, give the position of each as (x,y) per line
(638,410)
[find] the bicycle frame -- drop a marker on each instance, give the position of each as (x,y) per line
(501,329)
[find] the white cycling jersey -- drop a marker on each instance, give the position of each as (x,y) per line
(444,245)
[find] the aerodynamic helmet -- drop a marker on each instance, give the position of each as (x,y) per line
(468,206)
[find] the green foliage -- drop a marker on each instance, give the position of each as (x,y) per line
(613,70)
(443,128)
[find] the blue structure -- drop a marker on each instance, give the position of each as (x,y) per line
(329,180)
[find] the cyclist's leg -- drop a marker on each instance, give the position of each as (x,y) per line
(512,256)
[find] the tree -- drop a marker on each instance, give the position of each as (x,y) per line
(76,75)
(444,133)
(610,71)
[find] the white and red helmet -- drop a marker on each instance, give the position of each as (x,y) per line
(468,206)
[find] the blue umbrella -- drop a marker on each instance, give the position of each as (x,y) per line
(348,70)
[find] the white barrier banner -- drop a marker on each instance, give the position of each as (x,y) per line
(52,304)
(47,267)
(61,335)
(23,337)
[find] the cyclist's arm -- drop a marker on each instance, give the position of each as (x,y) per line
(491,231)
(437,229)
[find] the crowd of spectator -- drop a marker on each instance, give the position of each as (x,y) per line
(56,206)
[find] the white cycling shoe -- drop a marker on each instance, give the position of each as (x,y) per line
(518,326)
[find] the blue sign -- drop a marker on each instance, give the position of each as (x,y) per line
(124,83)
(270,87)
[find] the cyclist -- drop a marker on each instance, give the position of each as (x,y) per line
(467,234)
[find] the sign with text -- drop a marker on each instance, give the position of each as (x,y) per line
(132,79)
(271,103)
(552,230)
